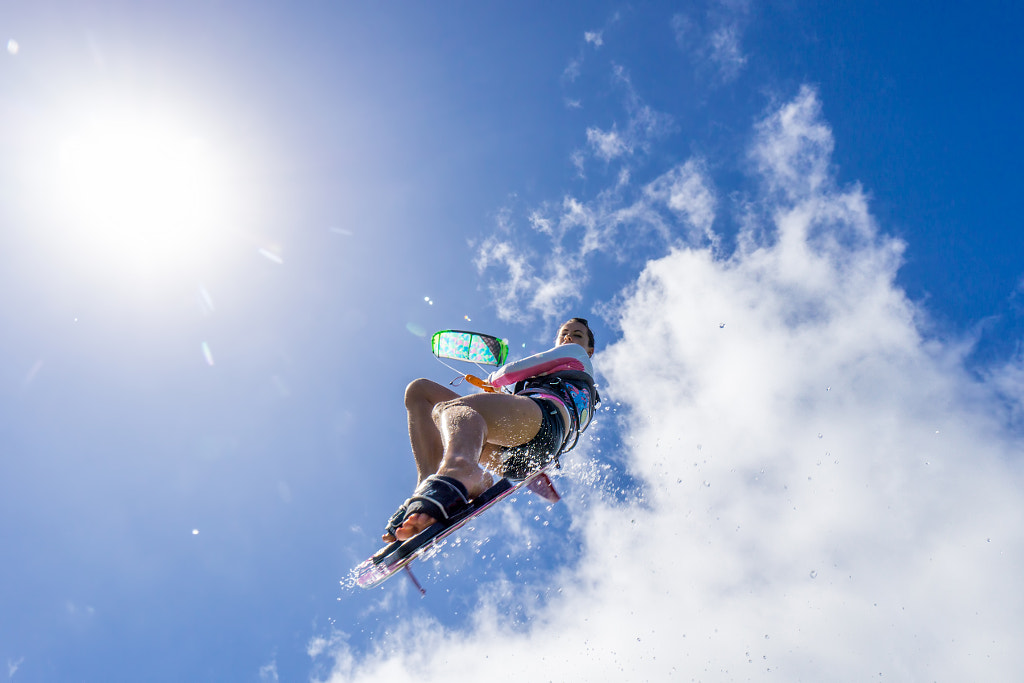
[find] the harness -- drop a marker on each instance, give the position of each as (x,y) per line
(558,383)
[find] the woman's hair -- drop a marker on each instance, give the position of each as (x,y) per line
(582,321)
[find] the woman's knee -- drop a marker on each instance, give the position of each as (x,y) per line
(454,413)
(422,391)
(437,413)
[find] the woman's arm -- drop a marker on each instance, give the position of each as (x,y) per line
(562,357)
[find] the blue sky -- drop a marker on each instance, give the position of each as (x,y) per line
(227,230)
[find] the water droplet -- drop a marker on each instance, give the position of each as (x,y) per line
(820,435)
(814,574)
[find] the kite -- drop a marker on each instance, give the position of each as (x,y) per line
(472,347)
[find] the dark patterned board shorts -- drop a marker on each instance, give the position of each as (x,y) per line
(518,462)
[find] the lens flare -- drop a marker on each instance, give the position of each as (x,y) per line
(271,255)
(207,354)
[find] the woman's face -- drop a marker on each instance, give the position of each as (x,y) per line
(574,333)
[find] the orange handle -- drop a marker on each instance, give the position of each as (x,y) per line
(482,384)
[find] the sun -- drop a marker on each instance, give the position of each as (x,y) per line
(140,190)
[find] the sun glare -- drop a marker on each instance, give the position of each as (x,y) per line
(140,191)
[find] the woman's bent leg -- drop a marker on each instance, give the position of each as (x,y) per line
(464,425)
(427,447)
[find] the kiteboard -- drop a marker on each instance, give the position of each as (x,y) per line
(397,556)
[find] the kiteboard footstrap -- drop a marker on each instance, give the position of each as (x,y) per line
(438,496)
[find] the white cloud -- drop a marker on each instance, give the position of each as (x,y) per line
(725,51)
(268,672)
(1008,381)
(607,145)
(578,159)
(572,69)
(590,38)
(676,208)
(712,34)
(685,191)
(75,610)
(643,126)
(794,147)
(827,494)
(13,666)
(509,293)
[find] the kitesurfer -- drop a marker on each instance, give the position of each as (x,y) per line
(511,433)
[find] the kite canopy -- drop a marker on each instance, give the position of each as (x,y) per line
(472,347)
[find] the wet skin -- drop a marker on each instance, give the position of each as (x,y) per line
(451,434)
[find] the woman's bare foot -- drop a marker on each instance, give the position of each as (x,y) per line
(418,521)
(413,524)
